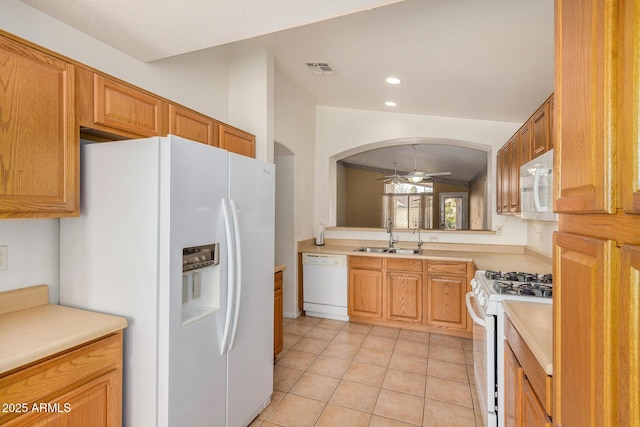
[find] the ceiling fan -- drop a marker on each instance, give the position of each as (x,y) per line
(415,176)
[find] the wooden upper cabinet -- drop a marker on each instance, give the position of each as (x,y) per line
(585,99)
(125,108)
(499,172)
(39,149)
(584,297)
(514,176)
(191,125)
(236,140)
(525,135)
(628,120)
(540,131)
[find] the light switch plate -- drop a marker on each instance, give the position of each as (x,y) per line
(4,257)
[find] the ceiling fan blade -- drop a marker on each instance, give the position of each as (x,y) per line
(436,174)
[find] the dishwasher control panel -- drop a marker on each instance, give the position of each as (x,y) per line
(328,260)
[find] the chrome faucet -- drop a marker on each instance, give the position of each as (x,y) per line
(420,242)
(390,231)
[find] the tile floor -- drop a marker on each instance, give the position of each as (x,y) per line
(344,374)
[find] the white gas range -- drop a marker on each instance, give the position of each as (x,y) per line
(489,288)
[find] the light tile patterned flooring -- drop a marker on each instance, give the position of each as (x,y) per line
(344,374)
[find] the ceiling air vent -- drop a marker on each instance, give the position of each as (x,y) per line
(320,68)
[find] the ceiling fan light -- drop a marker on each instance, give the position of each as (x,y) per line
(415,179)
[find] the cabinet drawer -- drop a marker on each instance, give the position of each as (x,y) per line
(365,262)
(447,267)
(43,382)
(404,264)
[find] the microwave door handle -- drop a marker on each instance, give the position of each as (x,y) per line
(536,191)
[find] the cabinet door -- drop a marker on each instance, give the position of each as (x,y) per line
(584,339)
(525,135)
(629,333)
(365,293)
(505,185)
(540,131)
(236,141)
(119,107)
(514,176)
(39,150)
(190,125)
(585,47)
(278,334)
(404,296)
(513,376)
(445,301)
(499,172)
(628,120)
(533,414)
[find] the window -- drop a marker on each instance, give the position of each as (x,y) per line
(453,211)
(409,205)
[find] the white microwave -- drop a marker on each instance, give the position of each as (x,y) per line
(536,188)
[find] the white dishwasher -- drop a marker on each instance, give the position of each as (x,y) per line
(324,279)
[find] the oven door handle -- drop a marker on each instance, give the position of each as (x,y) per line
(472,312)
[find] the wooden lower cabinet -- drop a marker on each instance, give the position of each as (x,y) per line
(365,293)
(528,395)
(278,326)
(403,290)
(445,301)
(398,292)
(79,387)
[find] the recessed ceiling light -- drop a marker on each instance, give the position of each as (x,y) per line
(390,104)
(393,80)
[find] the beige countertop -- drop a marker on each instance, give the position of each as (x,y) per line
(485,257)
(32,332)
(534,323)
(279,267)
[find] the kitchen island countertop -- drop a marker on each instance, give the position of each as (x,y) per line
(534,323)
(31,332)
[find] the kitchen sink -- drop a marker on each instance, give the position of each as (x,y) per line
(371,249)
(397,251)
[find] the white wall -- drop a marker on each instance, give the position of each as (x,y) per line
(295,115)
(33,254)
(341,132)
(540,236)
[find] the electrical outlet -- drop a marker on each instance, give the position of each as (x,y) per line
(499,231)
(433,238)
(4,257)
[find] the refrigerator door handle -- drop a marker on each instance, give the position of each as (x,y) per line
(230,277)
(238,276)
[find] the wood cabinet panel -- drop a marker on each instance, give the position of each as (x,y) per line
(583,333)
(278,325)
(39,151)
(525,140)
(533,414)
(445,301)
(513,377)
(514,176)
(365,293)
(365,262)
(629,333)
(404,296)
(447,267)
(236,141)
(191,125)
(499,174)
(584,100)
(121,107)
(628,112)
(505,178)
(540,131)
(404,264)
(89,378)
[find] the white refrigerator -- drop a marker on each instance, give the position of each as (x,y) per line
(178,237)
